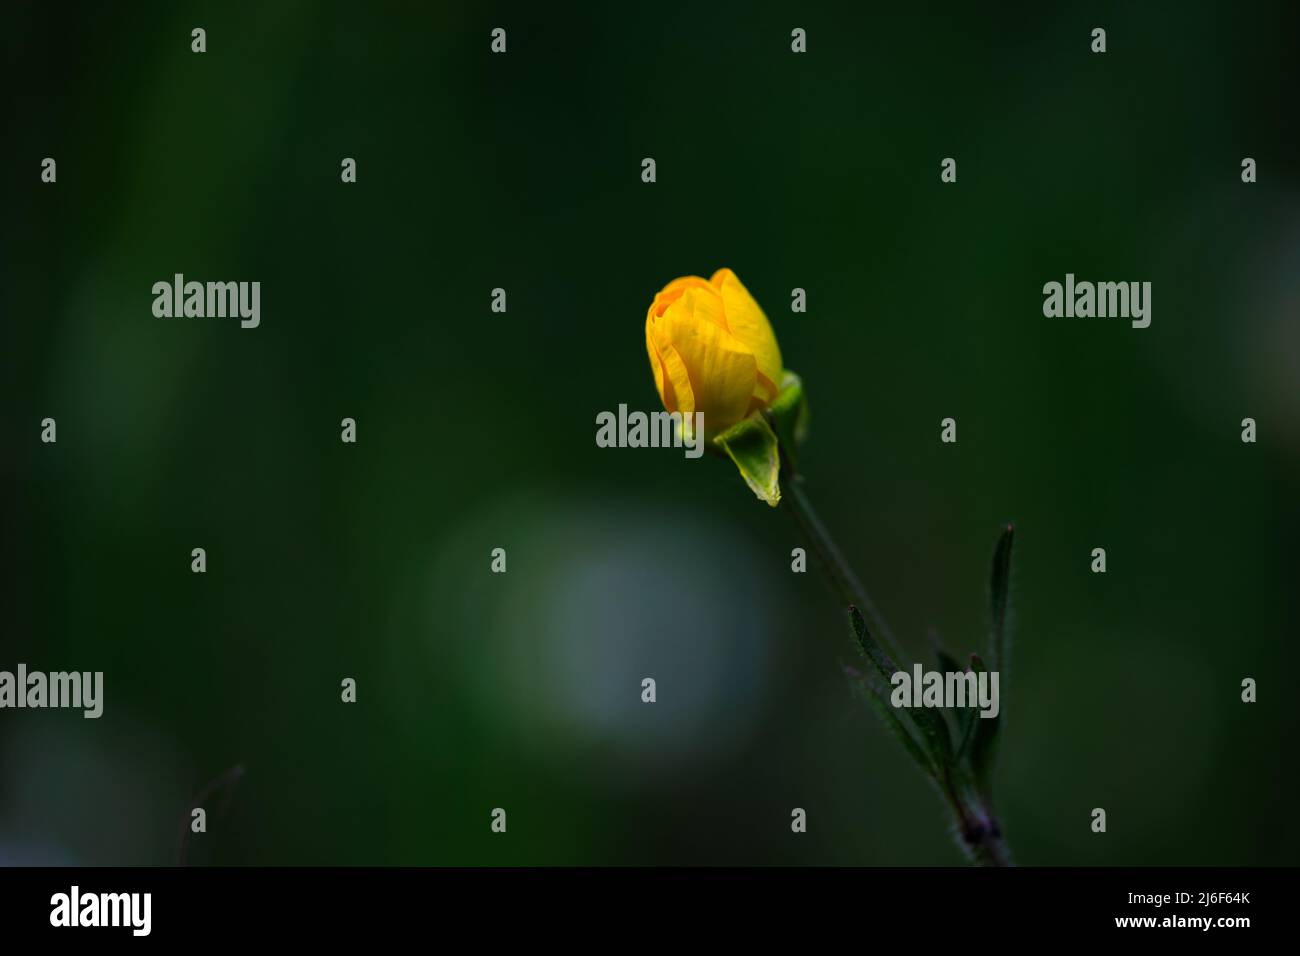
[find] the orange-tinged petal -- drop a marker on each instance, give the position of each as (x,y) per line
(686,282)
(673,291)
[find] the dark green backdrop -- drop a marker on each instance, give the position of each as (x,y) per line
(476,430)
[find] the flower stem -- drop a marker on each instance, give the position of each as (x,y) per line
(977,827)
(980,832)
(841,575)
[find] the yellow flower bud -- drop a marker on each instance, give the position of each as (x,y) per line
(712,350)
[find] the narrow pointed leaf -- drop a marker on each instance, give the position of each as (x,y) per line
(879,659)
(930,724)
(961,718)
(966,722)
(999,600)
(934,730)
(886,713)
(984,744)
(946,661)
(969,719)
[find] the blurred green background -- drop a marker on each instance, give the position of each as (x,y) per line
(476,430)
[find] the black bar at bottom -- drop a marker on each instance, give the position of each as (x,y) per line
(337,905)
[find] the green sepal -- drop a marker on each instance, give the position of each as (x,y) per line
(753,446)
(789,414)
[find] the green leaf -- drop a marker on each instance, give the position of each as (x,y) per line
(945,660)
(934,730)
(961,718)
(967,723)
(879,659)
(931,725)
(984,745)
(999,600)
(914,750)
(752,445)
(789,414)
(877,696)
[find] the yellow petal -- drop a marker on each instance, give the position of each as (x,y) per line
(720,368)
(746,321)
(678,384)
(656,363)
(685,282)
(674,290)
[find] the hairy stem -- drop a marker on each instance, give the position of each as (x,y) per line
(977,826)
(841,575)
(981,833)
